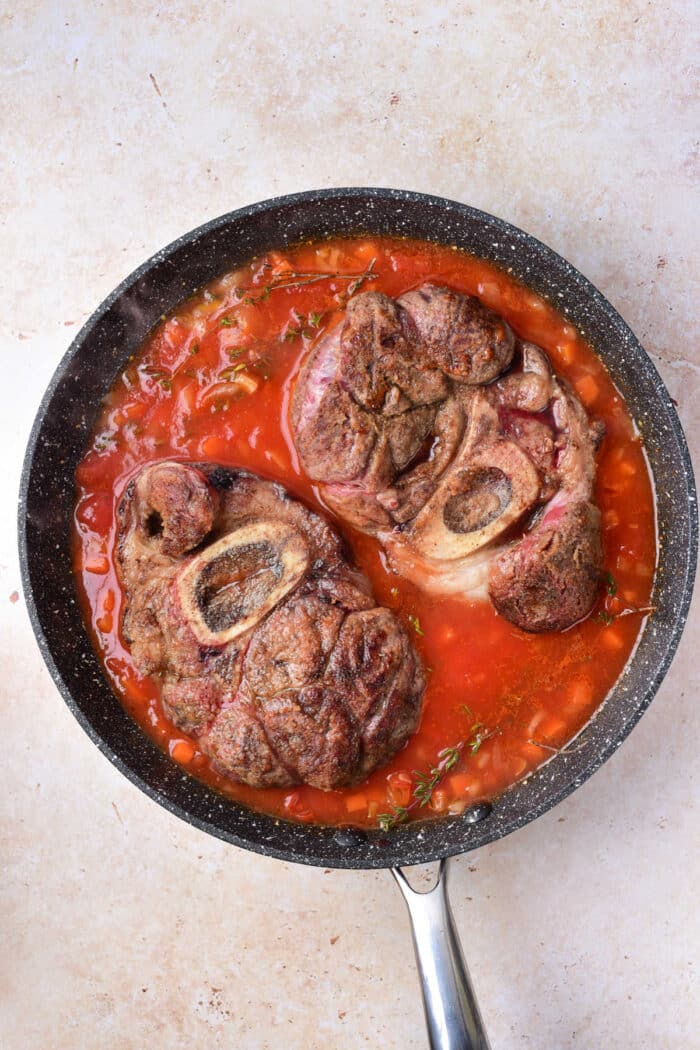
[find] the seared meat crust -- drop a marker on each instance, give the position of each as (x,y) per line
(269,645)
(430,426)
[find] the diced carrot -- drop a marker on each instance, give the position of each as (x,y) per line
(644,570)
(461,784)
(206,307)
(134,689)
(587,389)
(566,352)
(580,694)
(439,800)
(108,601)
(104,623)
(250,321)
(366,251)
(328,257)
(355,803)
(551,729)
(626,468)
(182,751)
(617,485)
(97,563)
(458,807)
(489,292)
(611,519)
(533,302)
(278,262)
(611,638)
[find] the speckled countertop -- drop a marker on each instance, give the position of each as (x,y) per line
(127,124)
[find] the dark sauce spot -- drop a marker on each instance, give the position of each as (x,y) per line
(154,524)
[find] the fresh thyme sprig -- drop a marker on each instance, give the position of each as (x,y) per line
(300,278)
(423,789)
(305,325)
(568,749)
(479,730)
(425,783)
(611,612)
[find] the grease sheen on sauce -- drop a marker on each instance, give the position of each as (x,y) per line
(534,692)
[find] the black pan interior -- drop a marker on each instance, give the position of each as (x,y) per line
(115,331)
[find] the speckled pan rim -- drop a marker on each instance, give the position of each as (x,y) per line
(417,843)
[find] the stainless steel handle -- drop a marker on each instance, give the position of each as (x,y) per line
(451,1011)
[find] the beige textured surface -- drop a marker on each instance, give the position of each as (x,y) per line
(124,124)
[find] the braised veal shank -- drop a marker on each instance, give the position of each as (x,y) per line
(431,426)
(269,644)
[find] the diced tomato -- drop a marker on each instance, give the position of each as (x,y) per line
(400,787)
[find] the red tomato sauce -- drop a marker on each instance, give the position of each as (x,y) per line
(213,381)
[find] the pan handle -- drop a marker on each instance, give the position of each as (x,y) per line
(451,1011)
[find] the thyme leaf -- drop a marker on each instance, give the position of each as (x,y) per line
(300,278)
(424,787)
(232,370)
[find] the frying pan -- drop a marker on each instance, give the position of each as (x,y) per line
(57,442)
